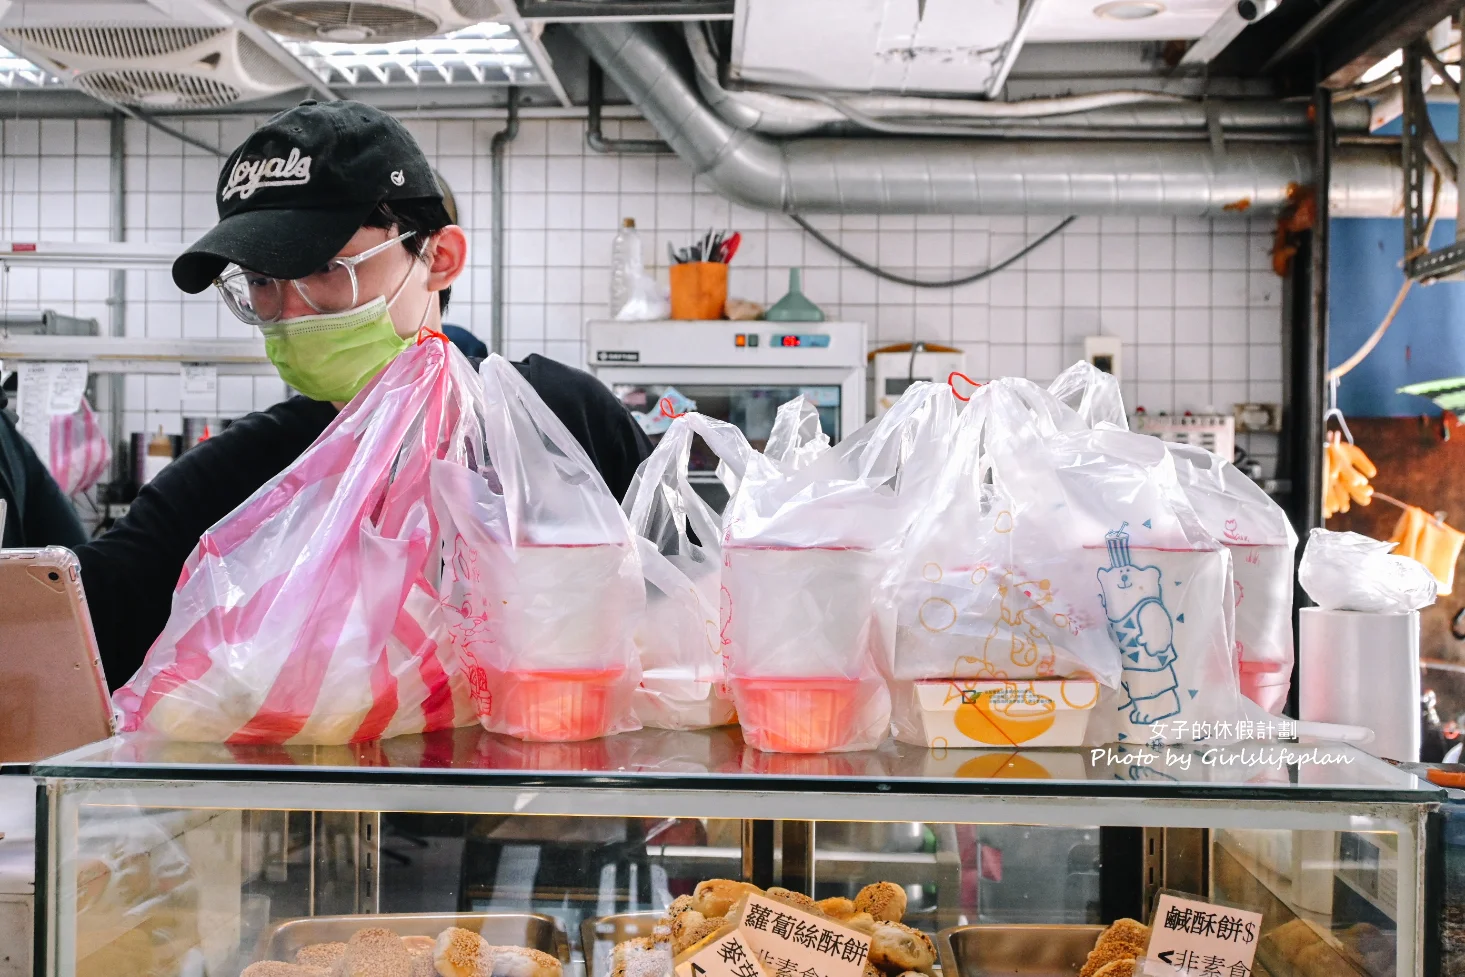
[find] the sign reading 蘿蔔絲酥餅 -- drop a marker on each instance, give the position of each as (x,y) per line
(792,943)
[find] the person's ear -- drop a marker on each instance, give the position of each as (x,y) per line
(447,257)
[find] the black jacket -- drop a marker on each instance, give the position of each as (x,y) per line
(130,572)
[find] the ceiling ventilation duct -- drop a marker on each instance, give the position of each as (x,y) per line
(977,176)
(130,54)
(368,21)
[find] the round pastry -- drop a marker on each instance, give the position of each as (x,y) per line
(863,922)
(714,897)
(642,957)
(320,954)
(1101,956)
(279,968)
(691,928)
(837,907)
(883,900)
(375,952)
(796,899)
(457,952)
(1292,938)
(678,906)
(1319,960)
(1126,930)
(518,961)
(1118,968)
(895,947)
(422,965)
(684,923)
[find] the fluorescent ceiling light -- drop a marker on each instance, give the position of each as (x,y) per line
(17,72)
(487,53)
(1385,66)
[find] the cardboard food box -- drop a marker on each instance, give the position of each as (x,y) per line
(987,713)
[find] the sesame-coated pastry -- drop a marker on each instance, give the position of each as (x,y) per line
(458,952)
(714,897)
(895,947)
(838,907)
(320,954)
(883,900)
(796,899)
(375,952)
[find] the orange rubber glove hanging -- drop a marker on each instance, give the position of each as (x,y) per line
(1347,477)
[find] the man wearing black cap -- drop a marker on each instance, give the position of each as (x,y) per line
(333,240)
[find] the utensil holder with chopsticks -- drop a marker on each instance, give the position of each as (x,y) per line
(698,290)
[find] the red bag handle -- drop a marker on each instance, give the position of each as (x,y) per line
(667,411)
(957,373)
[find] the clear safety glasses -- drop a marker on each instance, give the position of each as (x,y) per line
(259,299)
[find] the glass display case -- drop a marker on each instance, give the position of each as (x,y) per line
(191,860)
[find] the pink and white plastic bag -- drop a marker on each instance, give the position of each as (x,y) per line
(803,551)
(544,588)
(680,642)
(80,452)
(311,614)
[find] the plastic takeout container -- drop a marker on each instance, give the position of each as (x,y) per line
(791,714)
(560,705)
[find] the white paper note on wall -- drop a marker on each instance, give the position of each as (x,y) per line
(46,390)
(200,390)
(68,386)
(32,403)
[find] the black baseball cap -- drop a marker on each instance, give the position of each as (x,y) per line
(301,185)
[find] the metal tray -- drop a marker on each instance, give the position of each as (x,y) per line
(281,941)
(600,934)
(988,950)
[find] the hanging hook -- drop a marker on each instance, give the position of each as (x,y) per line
(1333,412)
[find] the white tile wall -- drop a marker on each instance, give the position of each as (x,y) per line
(1195,302)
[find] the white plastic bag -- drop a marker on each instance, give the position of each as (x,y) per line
(546,591)
(1349,572)
(680,639)
(1115,567)
(1246,520)
(985,587)
(804,547)
(1093,394)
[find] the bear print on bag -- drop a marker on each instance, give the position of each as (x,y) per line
(1144,630)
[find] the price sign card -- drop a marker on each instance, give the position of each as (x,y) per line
(727,956)
(792,943)
(1189,938)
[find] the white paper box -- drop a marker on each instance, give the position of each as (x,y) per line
(1026,713)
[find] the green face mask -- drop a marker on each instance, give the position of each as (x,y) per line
(333,356)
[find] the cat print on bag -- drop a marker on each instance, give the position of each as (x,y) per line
(1143,628)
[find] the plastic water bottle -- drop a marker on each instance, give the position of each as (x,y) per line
(625,264)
